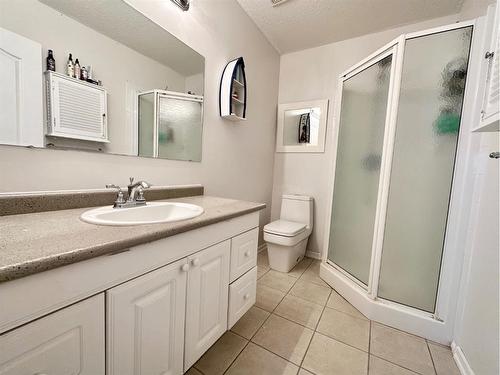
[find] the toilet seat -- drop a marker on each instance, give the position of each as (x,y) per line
(285,228)
(285,233)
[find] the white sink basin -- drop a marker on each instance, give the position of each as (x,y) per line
(151,213)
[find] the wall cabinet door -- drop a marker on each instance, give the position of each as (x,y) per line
(69,341)
(146,323)
(207,300)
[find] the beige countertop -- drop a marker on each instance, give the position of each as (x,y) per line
(37,242)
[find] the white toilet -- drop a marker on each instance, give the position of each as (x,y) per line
(287,237)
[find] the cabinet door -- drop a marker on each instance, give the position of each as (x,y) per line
(207,300)
(145,319)
(243,253)
(69,341)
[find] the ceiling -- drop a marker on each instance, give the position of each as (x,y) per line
(299,24)
(114,18)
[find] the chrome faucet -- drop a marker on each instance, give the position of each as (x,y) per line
(136,191)
(135,194)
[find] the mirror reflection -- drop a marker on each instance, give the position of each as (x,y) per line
(301,126)
(110,80)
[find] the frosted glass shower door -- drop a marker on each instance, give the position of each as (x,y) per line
(357,170)
(430,104)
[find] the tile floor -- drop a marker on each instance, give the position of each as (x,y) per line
(299,325)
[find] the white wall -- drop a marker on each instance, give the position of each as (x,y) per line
(112,62)
(313,74)
(237,157)
(478,313)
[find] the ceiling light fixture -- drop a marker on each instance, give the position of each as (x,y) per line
(183,4)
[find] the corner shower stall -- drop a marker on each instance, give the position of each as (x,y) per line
(397,135)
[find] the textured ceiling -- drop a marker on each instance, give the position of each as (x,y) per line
(121,22)
(301,24)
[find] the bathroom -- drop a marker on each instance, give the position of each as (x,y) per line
(248,242)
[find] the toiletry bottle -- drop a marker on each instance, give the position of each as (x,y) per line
(70,67)
(51,62)
(83,74)
(77,69)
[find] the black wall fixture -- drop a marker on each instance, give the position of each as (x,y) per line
(183,4)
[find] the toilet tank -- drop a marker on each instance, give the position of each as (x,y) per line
(298,208)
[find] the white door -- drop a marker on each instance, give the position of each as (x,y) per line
(207,300)
(69,341)
(145,323)
(21,111)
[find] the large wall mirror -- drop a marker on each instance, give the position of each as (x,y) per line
(130,87)
(302,126)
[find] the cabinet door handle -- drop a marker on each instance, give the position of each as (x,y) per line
(185,267)
(195,262)
(247,253)
(246,296)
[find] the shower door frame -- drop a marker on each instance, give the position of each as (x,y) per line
(438,325)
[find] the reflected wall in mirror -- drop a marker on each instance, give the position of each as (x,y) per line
(302,126)
(118,58)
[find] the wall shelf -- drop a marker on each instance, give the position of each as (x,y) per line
(233,91)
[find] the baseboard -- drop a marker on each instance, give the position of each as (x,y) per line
(313,254)
(261,247)
(460,360)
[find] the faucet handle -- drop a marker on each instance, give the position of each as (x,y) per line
(131,179)
(119,199)
(140,195)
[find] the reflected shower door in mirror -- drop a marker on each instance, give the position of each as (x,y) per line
(302,126)
(170,125)
(91,101)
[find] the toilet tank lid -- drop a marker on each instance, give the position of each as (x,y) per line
(285,228)
(297,197)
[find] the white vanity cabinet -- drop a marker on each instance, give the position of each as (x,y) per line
(145,323)
(152,309)
(69,341)
(207,300)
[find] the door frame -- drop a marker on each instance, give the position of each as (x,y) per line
(438,325)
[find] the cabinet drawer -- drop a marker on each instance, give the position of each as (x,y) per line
(243,253)
(242,296)
(69,341)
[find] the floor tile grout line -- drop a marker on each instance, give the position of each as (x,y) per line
(315,329)
(278,355)
(235,358)
(273,313)
(369,347)
(396,364)
(430,355)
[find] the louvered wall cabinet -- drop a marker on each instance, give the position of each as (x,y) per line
(76,109)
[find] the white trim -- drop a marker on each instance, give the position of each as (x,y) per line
(262,247)
(386,312)
(440,29)
(461,360)
(322,104)
(313,254)
(385,167)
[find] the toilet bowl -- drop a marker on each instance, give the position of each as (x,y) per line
(287,237)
